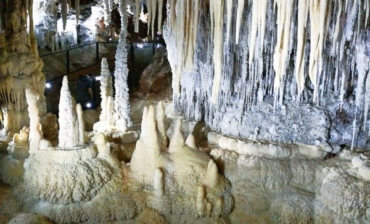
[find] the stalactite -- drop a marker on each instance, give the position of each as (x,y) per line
(254,26)
(149,7)
(281,43)
(160,15)
(64,13)
(137,15)
(106,11)
(318,18)
(229,8)
(239,19)
(367,100)
(173,13)
(33,41)
(153,16)
(217,48)
(285,11)
(77,5)
(111,5)
(301,41)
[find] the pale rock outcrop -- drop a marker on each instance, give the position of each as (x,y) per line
(29,218)
(296,188)
(35,133)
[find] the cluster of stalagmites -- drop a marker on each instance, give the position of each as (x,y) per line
(87,182)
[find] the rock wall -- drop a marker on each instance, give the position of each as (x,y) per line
(278,70)
(20,66)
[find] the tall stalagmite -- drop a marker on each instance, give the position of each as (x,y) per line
(121,101)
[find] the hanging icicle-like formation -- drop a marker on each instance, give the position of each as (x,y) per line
(300,51)
(154,7)
(217,11)
(160,15)
(319,20)
(239,18)
(281,53)
(64,13)
(301,41)
(106,11)
(258,26)
(184,18)
(77,5)
(137,15)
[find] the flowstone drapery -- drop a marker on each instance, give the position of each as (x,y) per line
(272,64)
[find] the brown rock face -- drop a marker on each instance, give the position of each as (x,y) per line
(156,79)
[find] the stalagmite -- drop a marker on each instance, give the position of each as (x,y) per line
(121,102)
(239,19)
(218,207)
(22,137)
(151,127)
(211,176)
(177,140)
(190,141)
(200,201)
(208,209)
(81,125)
(158,183)
(68,122)
(106,91)
(137,15)
(160,124)
(35,134)
(217,13)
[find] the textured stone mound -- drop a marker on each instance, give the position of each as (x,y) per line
(298,188)
(155,81)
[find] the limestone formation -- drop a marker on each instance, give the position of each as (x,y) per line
(20,66)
